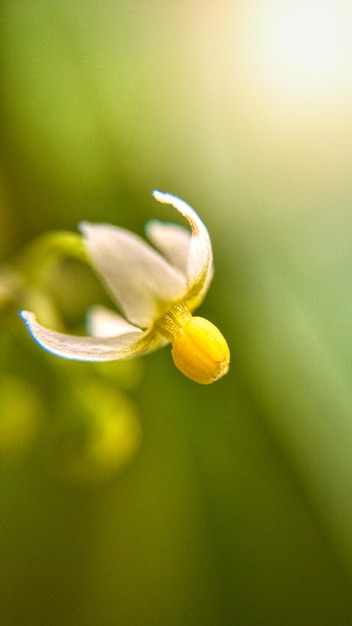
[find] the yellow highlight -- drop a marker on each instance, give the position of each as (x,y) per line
(200,351)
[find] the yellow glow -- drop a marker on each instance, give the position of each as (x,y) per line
(302,49)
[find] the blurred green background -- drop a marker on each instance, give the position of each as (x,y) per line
(130,495)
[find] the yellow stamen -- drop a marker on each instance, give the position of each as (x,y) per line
(199,350)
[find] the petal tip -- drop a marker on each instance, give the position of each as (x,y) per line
(27,316)
(162,196)
(83,226)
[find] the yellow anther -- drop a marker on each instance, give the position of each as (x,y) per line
(200,351)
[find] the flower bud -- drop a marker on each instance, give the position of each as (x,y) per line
(200,351)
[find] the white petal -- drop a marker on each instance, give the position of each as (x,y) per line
(102,322)
(172,240)
(200,255)
(89,348)
(141,281)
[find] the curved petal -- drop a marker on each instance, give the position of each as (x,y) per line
(90,348)
(200,254)
(101,322)
(141,281)
(172,240)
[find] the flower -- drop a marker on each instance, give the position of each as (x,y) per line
(155,291)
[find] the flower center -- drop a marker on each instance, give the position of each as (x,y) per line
(172,322)
(199,350)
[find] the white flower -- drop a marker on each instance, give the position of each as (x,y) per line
(155,291)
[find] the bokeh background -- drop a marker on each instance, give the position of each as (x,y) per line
(130,495)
